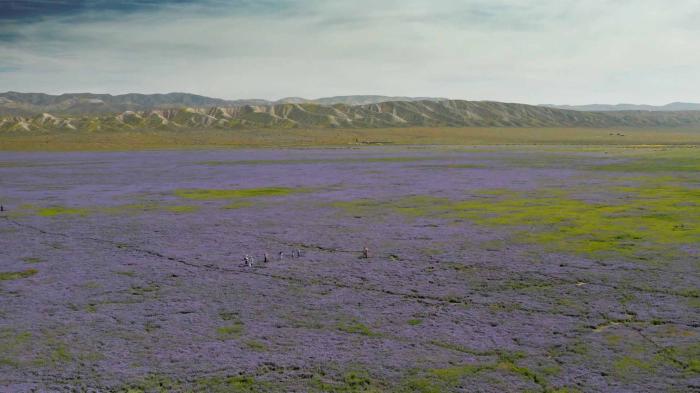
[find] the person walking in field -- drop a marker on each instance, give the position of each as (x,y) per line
(365,253)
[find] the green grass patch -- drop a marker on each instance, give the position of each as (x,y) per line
(452,166)
(238,384)
(239,205)
(120,139)
(230,331)
(214,194)
(356,381)
(147,207)
(675,160)
(6,276)
(62,211)
(181,209)
(132,208)
(12,345)
(127,273)
(139,290)
(255,345)
(302,161)
(447,379)
(24,349)
(626,366)
(356,327)
(645,222)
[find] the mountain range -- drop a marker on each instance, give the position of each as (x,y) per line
(27,104)
(171,114)
(24,104)
(672,107)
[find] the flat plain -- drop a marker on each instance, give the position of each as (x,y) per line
(491,268)
(130,140)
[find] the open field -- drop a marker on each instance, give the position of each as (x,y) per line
(491,268)
(318,137)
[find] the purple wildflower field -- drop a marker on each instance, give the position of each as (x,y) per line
(127,272)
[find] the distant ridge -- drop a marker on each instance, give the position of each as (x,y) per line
(426,113)
(672,107)
(354,100)
(14,103)
(30,104)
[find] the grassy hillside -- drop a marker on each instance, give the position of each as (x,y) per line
(380,115)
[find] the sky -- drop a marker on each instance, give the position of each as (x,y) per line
(528,51)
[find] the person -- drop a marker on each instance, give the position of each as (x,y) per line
(365,253)
(2,208)
(266,258)
(281,255)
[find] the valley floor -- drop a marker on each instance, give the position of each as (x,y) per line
(336,137)
(491,269)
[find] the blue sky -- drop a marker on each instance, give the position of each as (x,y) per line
(532,51)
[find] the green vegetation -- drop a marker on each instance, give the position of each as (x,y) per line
(234,328)
(256,346)
(321,161)
(132,208)
(688,357)
(357,381)
(230,331)
(138,290)
(643,221)
(208,194)
(446,379)
(356,327)
(6,276)
(25,349)
(239,205)
(655,161)
(311,137)
(135,208)
(627,365)
(128,273)
(12,344)
(237,384)
(181,209)
(60,211)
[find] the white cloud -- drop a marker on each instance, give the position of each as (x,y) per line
(554,51)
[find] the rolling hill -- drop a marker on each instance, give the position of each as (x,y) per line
(27,104)
(426,113)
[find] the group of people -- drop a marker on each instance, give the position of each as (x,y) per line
(249,260)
